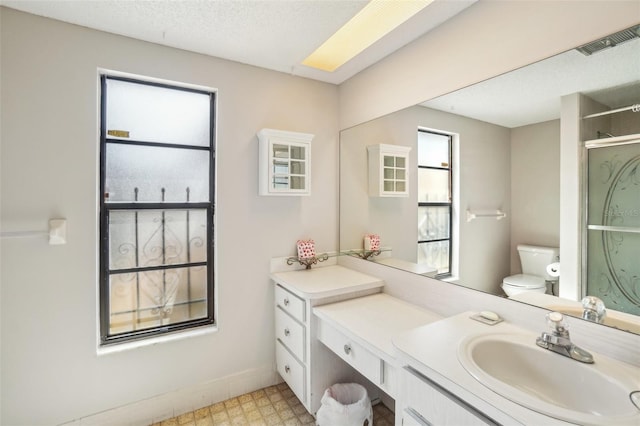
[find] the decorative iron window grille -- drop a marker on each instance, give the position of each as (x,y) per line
(157,180)
(435,205)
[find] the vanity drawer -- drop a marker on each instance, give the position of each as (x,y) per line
(291,371)
(353,353)
(290,333)
(290,303)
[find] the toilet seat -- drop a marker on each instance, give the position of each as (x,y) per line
(524,281)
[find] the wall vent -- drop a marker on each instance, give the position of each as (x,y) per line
(610,41)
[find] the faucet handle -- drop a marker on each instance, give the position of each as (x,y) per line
(555,321)
(594,309)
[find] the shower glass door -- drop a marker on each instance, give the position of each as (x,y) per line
(613,226)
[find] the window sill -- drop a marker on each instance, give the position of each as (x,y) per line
(126,346)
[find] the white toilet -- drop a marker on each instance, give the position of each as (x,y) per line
(534,261)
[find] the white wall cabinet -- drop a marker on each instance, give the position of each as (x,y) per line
(284,162)
(388,170)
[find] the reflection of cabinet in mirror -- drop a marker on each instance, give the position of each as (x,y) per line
(388,170)
(284,162)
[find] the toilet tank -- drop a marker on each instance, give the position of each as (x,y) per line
(534,259)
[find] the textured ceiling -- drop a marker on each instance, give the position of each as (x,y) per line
(532,94)
(272,34)
(279,34)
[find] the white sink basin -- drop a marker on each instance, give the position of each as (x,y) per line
(513,366)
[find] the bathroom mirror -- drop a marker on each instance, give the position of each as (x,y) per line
(505,169)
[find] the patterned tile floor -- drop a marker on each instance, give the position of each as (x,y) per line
(275,405)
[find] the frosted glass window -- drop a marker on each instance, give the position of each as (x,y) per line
(433,149)
(150,169)
(144,300)
(433,185)
(157,237)
(156,234)
(433,223)
(153,114)
(435,254)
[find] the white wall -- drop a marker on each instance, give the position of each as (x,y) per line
(484,178)
(488,38)
(50,370)
(535,187)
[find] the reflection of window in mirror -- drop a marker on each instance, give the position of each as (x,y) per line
(435,244)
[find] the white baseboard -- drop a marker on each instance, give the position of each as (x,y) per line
(175,403)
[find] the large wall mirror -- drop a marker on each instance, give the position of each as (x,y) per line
(484,173)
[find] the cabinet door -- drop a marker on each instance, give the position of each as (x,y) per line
(388,170)
(285,162)
(394,174)
(426,402)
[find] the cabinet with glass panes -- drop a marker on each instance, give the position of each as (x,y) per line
(284,162)
(388,170)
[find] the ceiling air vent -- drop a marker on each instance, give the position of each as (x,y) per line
(610,41)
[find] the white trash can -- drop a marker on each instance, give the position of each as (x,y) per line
(345,404)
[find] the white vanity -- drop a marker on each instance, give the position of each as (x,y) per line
(306,366)
(332,320)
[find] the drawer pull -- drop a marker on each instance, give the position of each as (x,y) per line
(347,349)
(286,332)
(286,301)
(287,369)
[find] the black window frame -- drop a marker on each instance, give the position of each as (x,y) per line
(107,207)
(448,204)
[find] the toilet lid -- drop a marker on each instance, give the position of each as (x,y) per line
(525,281)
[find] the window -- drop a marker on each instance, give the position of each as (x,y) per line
(157,180)
(434,200)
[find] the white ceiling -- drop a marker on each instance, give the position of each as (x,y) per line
(532,94)
(279,34)
(272,34)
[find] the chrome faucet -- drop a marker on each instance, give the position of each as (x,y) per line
(594,309)
(558,340)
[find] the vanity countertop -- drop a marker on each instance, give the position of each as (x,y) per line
(432,350)
(375,320)
(327,281)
